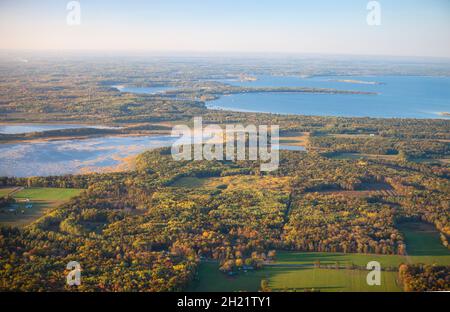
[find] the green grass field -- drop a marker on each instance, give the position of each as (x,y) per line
(301,279)
(285,278)
(387,261)
(6,191)
(190,182)
(210,279)
(329,258)
(294,271)
(363,156)
(423,244)
(42,200)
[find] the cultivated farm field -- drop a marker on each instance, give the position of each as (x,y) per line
(40,201)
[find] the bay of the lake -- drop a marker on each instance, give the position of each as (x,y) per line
(396,96)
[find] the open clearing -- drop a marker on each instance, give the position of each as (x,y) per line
(295,271)
(301,279)
(364,156)
(429,161)
(41,200)
(344,260)
(295,139)
(47,193)
(191,182)
(6,191)
(365,193)
(286,278)
(423,244)
(239,182)
(367,189)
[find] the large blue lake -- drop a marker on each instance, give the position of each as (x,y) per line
(397,96)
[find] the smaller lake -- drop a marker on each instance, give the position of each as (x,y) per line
(28,128)
(143,90)
(60,157)
(73,156)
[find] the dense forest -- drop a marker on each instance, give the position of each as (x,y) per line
(138,231)
(424,278)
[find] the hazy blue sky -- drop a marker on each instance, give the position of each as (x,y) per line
(408,27)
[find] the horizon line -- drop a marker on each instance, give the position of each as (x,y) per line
(222,53)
